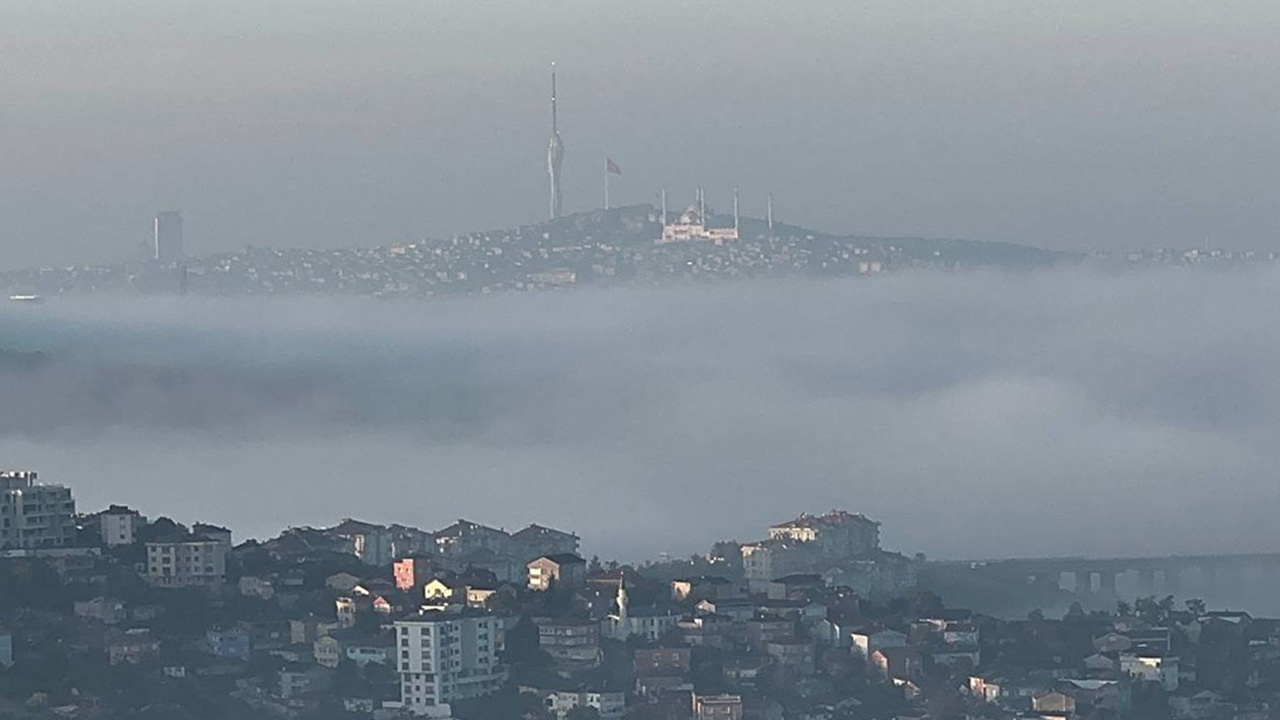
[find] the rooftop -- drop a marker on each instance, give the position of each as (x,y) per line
(563,559)
(835,517)
(535,530)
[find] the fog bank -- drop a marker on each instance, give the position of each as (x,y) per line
(976,415)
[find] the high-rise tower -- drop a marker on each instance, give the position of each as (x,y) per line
(555,151)
(166,244)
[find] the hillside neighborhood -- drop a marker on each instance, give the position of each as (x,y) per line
(111,614)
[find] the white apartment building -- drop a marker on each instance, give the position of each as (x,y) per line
(187,561)
(34,516)
(118,525)
(448,654)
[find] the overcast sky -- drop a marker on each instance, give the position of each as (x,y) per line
(976,415)
(1082,124)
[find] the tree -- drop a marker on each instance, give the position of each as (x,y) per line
(1195,606)
(1075,612)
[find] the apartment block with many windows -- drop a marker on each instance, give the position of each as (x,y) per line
(445,655)
(187,561)
(34,516)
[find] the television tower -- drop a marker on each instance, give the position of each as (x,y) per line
(555,151)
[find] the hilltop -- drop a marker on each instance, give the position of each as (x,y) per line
(599,247)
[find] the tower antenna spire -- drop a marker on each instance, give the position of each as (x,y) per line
(555,152)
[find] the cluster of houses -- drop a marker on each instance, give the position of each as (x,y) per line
(471,621)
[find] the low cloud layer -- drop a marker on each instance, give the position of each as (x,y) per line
(976,415)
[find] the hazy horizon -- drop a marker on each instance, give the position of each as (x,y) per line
(1072,126)
(1136,410)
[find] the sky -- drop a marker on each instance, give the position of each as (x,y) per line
(976,415)
(1091,124)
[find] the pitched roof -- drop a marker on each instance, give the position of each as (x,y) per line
(353,527)
(534,531)
(563,559)
(465,527)
(835,517)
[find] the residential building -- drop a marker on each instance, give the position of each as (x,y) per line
(257,587)
(118,524)
(841,548)
(536,540)
(299,681)
(413,572)
(717,707)
(464,537)
(131,646)
(866,642)
(1151,666)
(1053,704)
(107,611)
(650,624)
(837,533)
(562,569)
(371,543)
(448,655)
(190,560)
(345,611)
(213,532)
(34,515)
(328,650)
(342,582)
(896,662)
(228,643)
(440,589)
(305,631)
(607,704)
(374,649)
(792,653)
(478,596)
(705,588)
(575,643)
(662,661)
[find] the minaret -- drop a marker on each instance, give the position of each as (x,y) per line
(555,151)
(735,211)
(702,207)
(769,212)
(622,605)
(664,207)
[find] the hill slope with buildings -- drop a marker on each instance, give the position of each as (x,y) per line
(628,245)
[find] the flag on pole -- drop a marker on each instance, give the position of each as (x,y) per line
(612,167)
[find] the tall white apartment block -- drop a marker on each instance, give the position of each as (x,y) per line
(34,516)
(448,654)
(187,561)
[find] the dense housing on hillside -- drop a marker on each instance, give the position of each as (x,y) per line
(151,618)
